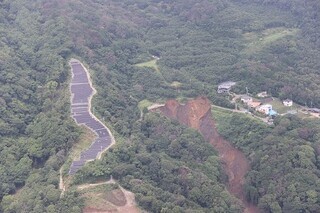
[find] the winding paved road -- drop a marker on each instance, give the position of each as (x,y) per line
(81,95)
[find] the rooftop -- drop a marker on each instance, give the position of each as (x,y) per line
(254,104)
(227,84)
(272,112)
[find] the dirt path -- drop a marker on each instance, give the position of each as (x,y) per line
(155,106)
(129,207)
(61,183)
(88,185)
(197,114)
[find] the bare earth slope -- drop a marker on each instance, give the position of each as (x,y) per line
(197,114)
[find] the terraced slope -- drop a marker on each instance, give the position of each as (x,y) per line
(81,94)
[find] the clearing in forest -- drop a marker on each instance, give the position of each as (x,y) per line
(108,198)
(144,104)
(151,64)
(260,40)
(176,84)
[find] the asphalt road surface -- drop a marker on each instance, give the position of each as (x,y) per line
(81,93)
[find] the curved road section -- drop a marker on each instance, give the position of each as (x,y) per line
(81,94)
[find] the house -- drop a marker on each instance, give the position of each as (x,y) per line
(254,104)
(246,99)
(265,109)
(223,89)
(262,94)
(287,102)
(225,86)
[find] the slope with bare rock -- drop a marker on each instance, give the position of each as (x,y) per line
(197,114)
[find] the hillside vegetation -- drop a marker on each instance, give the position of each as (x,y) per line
(265,45)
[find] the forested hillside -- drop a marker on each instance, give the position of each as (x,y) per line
(35,129)
(264,45)
(285,162)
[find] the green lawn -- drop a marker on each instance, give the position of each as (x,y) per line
(144,103)
(101,196)
(278,106)
(176,84)
(151,64)
(257,41)
(84,142)
(219,114)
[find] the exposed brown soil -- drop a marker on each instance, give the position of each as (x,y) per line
(197,114)
(115,201)
(116,197)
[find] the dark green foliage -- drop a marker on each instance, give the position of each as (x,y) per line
(285,169)
(166,166)
(36,131)
(200,44)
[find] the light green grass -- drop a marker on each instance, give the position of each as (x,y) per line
(278,106)
(176,84)
(98,196)
(303,115)
(144,104)
(84,142)
(258,41)
(220,114)
(151,64)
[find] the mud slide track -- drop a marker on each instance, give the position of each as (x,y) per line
(197,114)
(81,94)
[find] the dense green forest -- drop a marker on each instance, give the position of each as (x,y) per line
(284,159)
(265,45)
(169,168)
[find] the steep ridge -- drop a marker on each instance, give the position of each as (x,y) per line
(197,114)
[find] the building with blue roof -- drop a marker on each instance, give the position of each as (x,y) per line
(272,112)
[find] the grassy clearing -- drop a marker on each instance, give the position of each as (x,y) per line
(103,188)
(144,104)
(86,138)
(278,106)
(151,64)
(258,41)
(105,197)
(303,115)
(220,114)
(176,84)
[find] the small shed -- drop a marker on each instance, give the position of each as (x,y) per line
(287,102)
(272,112)
(262,94)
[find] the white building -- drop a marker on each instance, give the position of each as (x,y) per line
(225,86)
(265,109)
(262,94)
(287,102)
